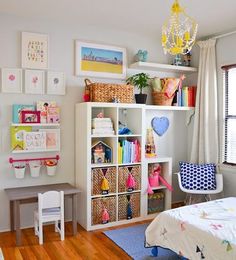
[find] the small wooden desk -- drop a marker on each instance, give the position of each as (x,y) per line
(21,195)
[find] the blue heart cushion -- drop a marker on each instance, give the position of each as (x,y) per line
(160,125)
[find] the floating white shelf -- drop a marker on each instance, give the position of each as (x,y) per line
(36,151)
(162,67)
(35,124)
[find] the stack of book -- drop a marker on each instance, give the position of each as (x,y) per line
(101,126)
(186,96)
(129,151)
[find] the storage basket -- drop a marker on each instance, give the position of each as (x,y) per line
(107,92)
(156,202)
(97,177)
(123,202)
(160,99)
(123,173)
(98,204)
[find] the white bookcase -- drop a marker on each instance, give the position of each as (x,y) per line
(91,200)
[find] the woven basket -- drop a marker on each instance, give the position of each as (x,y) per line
(123,173)
(122,205)
(156,202)
(107,92)
(160,99)
(97,207)
(97,176)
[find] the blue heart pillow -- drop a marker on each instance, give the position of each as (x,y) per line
(160,125)
(198,176)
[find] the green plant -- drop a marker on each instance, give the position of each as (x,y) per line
(140,80)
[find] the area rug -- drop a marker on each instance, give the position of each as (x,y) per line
(131,240)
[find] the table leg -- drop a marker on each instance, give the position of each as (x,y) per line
(12,224)
(74,214)
(17,221)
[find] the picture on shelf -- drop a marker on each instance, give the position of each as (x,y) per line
(17,139)
(11,80)
(52,138)
(53,115)
(101,153)
(99,60)
(16,112)
(34,140)
(43,106)
(30,117)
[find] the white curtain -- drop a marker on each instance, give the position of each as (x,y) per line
(205,145)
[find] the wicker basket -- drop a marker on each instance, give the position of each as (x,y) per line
(97,207)
(160,99)
(156,202)
(97,176)
(123,173)
(123,202)
(106,92)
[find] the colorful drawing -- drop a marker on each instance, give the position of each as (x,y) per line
(16,112)
(53,115)
(52,138)
(34,140)
(100,60)
(17,136)
(42,106)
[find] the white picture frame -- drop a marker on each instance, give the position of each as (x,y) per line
(34,50)
(11,80)
(34,82)
(34,141)
(99,60)
(52,138)
(56,83)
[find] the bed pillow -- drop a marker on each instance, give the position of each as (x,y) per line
(198,176)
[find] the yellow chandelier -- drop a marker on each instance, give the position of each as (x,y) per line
(178,36)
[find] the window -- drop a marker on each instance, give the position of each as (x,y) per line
(230,114)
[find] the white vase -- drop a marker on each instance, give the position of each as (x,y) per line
(19,172)
(51,170)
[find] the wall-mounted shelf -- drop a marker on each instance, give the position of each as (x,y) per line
(162,67)
(35,124)
(36,151)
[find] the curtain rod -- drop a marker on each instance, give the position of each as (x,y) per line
(218,36)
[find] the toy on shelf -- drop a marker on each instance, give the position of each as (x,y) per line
(141,55)
(130,183)
(105,216)
(105,183)
(101,152)
(150,149)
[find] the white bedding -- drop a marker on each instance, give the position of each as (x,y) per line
(201,231)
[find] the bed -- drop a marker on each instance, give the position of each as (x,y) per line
(200,231)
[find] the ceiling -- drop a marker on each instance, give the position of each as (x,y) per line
(144,17)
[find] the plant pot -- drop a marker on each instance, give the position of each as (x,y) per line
(51,170)
(19,172)
(34,169)
(141,98)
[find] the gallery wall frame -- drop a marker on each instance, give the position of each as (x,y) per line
(11,80)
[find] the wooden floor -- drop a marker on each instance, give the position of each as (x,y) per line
(85,245)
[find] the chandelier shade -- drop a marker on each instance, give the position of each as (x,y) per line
(179,31)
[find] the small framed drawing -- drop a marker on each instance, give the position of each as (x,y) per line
(34,140)
(34,54)
(30,117)
(52,139)
(55,83)
(34,82)
(11,80)
(97,60)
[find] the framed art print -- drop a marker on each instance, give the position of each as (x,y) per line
(97,60)
(11,80)
(55,83)
(30,117)
(52,138)
(34,140)
(34,53)
(34,82)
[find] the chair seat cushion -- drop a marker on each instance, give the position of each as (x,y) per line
(198,176)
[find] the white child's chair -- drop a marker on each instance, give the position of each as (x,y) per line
(50,208)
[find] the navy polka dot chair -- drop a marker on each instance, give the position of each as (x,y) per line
(199,179)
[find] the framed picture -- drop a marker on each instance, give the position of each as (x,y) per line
(97,60)
(30,117)
(11,80)
(16,112)
(34,82)
(34,140)
(52,139)
(55,83)
(34,54)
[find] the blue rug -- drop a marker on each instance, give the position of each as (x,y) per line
(131,240)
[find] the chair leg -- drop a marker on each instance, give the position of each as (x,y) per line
(35,227)
(62,230)
(56,226)
(40,233)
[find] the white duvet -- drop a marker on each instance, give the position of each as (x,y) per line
(201,231)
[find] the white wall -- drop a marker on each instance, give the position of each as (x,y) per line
(61,58)
(225,53)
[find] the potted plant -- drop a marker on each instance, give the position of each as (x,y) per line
(141,81)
